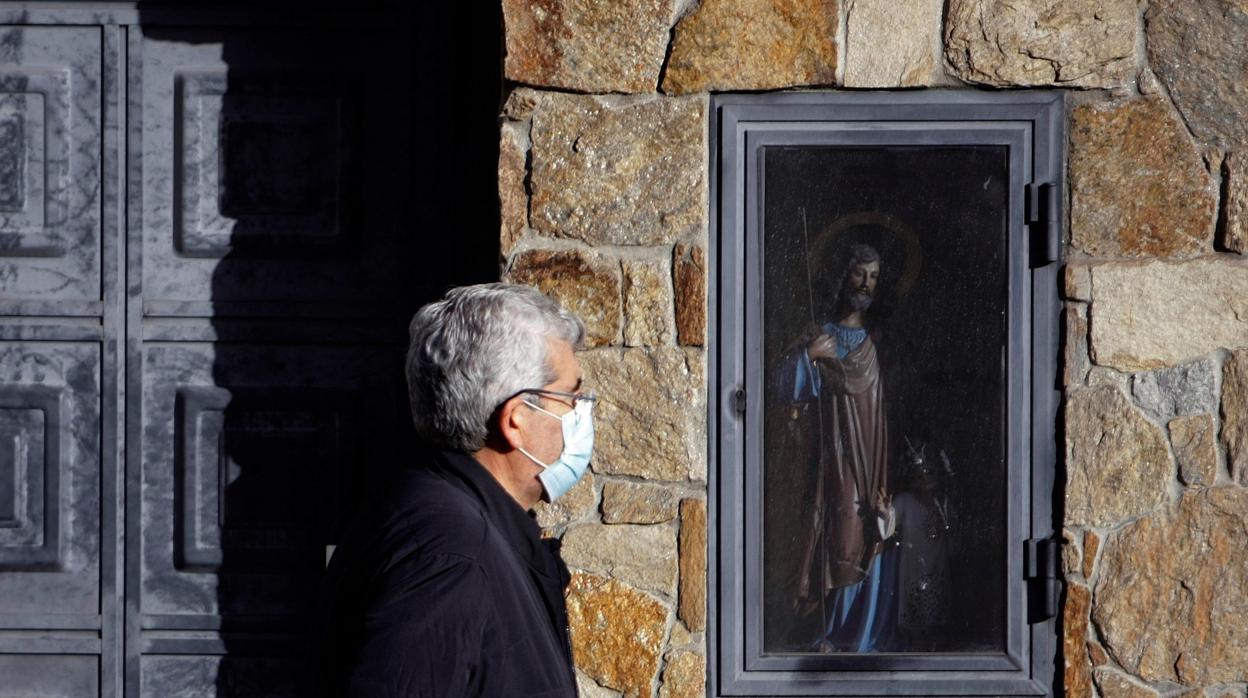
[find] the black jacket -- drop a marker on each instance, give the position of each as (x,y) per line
(443,587)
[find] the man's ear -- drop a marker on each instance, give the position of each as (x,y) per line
(509,419)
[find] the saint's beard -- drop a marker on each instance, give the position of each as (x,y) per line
(860,301)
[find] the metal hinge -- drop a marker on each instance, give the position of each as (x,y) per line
(1043,204)
(738,400)
(1041,571)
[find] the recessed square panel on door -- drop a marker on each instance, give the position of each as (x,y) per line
(50,136)
(49,676)
(251,456)
(49,479)
(252,153)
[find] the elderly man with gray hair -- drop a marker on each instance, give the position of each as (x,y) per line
(443,586)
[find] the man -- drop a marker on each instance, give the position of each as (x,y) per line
(444,587)
(841,572)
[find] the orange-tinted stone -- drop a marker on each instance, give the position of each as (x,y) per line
(753,45)
(617,633)
(1138,184)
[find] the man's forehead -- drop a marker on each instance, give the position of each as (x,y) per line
(873,265)
(563,360)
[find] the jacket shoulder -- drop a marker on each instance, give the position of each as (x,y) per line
(431,516)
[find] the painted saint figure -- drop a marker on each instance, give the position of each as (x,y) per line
(840,409)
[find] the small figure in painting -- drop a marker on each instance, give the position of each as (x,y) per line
(923,537)
(835,369)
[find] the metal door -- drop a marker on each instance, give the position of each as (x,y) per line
(201,332)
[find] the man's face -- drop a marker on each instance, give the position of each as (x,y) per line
(544,432)
(860,284)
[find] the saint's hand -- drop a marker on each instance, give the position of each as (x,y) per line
(822,347)
(882,501)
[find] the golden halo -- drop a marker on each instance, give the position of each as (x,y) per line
(890,223)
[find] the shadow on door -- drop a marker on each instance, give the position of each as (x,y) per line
(309,178)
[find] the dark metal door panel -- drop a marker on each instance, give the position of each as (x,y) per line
(266,378)
(50,134)
(249,455)
(247,256)
(190,676)
(253,187)
(52,455)
(49,480)
(49,676)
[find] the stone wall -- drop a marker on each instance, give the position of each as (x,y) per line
(603,186)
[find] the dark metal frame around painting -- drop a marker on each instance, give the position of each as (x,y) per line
(968,362)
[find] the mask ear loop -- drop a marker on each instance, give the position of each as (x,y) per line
(530,455)
(544,411)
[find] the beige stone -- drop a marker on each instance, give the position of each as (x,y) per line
(1196,48)
(1077,674)
(585,282)
(640,556)
(1234,234)
(617,633)
(689,280)
(1117,462)
(575,505)
(513,199)
(1075,360)
(684,676)
(1101,376)
(892,44)
(586,45)
(651,413)
(1235,415)
(521,102)
(588,688)
(618,171)
(1138,186)
(1164,313)
(1077,282)
(1192,440)
(692,608)
(1172,586)
(647,303)
(1091,544)
(637,503)
(1069,43)
(682,636)
(1226,692)
(1115,684)
(1072,553)
(753,45)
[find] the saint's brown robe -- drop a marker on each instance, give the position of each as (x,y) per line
(843,537)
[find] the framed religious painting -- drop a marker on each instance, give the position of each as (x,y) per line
(884,410)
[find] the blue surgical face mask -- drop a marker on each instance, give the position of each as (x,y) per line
(578,442)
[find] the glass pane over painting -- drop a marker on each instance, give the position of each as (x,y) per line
(885,330)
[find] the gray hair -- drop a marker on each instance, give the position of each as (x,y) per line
(475,348)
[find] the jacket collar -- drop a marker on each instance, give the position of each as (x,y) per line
(515,524)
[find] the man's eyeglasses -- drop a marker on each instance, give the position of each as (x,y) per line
(587,396)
